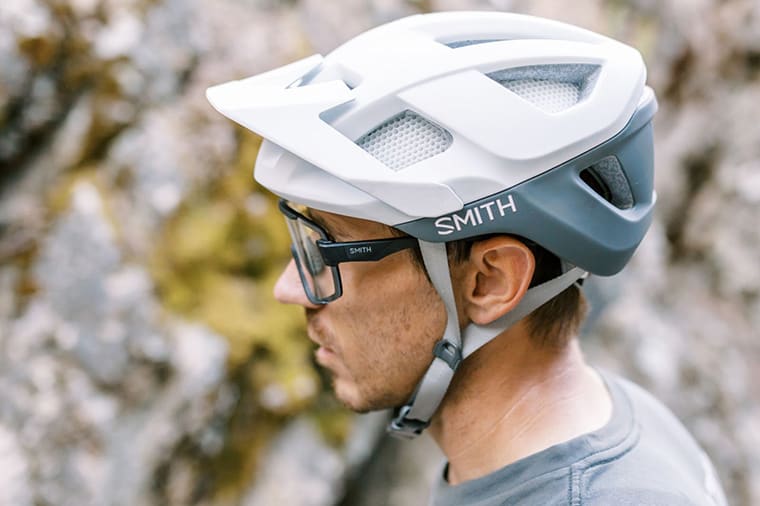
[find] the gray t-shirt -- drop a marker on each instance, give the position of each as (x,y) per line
(642,456)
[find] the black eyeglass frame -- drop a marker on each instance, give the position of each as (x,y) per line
(334,253)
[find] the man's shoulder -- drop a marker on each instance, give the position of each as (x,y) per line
(643,455)
(662,465)
(636,497)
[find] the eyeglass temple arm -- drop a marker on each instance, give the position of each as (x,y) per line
(363,251)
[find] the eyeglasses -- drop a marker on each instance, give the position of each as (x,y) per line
(317,255)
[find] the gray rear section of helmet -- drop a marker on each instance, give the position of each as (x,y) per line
(567,208)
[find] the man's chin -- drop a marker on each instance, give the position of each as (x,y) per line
(350,396)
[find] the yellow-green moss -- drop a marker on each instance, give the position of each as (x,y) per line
(333,420)
(219,257)
(40,51)
(217,261)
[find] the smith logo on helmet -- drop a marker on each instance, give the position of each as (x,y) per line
(475,216)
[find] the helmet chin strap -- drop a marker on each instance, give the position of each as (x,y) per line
(413,417)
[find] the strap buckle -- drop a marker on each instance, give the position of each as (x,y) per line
(449,353)
(406,428)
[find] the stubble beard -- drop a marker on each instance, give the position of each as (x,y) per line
(368,391)
(373,394)
(368,401)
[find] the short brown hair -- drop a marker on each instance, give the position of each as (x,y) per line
(558,320)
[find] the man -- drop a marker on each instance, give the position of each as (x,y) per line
(448,181)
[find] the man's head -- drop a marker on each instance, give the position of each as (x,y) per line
(376,337)
(500,146)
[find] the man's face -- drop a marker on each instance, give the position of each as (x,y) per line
(377,338)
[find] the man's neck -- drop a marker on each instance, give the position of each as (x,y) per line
(512,399)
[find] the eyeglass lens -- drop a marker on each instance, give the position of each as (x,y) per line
(318,278)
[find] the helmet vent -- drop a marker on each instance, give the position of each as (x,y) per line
(469,42)
(606,177)
(404,140)
(551,88)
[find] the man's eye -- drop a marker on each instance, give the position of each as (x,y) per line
(314,258)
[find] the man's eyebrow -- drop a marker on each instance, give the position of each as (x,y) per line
(333,230)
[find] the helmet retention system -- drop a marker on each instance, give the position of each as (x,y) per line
(455,125)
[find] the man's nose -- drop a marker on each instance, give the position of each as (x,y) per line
(289,290)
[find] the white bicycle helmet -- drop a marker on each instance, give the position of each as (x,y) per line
(455,125)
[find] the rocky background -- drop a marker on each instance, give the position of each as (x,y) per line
(142,358)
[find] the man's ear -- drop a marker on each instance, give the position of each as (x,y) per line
(496,278)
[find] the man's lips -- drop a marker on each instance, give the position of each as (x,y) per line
(317,338)
(314,338)
(324,356)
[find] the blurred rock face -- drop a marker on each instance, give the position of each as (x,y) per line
(142,358)
(685,313)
